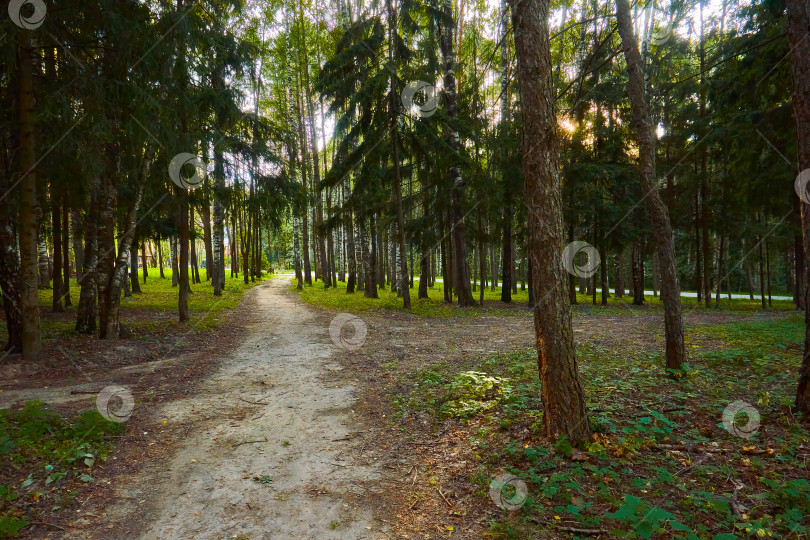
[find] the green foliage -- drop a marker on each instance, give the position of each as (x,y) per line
(10,526)
(647,520)
(473,392)
(54,451)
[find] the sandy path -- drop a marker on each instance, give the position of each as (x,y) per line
(301,482)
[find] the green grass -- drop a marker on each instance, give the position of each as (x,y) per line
(45,457)
(154,308)
(435,306)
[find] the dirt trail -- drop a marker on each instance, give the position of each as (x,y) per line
(308,480)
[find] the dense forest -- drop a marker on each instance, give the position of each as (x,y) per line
(530,153)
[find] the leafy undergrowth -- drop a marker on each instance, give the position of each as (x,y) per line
(45,459)
(661,463)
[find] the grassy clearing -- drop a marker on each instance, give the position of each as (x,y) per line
(45,459)
(152,310)
(435,306)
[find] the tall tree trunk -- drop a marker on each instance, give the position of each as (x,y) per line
(799,279)
(506,272)
(133,268)
(159,246)
(369,259)
(110,291)
(561,392)
(195,269)
(603,277)
(145,260)
(767,273)
(572,284)
(78,247)
(318,229)
(493,261)
(348,224)
(217,270)
(299,277)
(698,256)
(637,264)
(461,276)
(704,181)
(424,249)
(10,274)
(506,251)
(183,281)
(65,256)
(207,237)
(720,271)
(482,256)
(105,268)
(761,273)
(304,180)
(56,215)
(399,226)
(618,271)
(173,259)
(28,205)
(43,260)
(798,29)
(86,316)
(657,210)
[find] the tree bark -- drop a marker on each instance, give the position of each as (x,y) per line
(78,246)
(86,316)
(562,394)
(482,256)
(110,292)
(348,223)
(145,260)
(43,261)
(637,264)
(424,259)
(10,276)
(657,210)
(28,206)
(65,256)
(506,271)
(798,29)
(217,270)
(56,215)
(399,226)
(461,276)
(369,259)
(133,268)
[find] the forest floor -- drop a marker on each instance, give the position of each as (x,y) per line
(289,420)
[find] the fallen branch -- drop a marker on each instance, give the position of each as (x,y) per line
(685,448)
(247,442)
(690,468)
(736,507)
(445,498)
(48,525)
